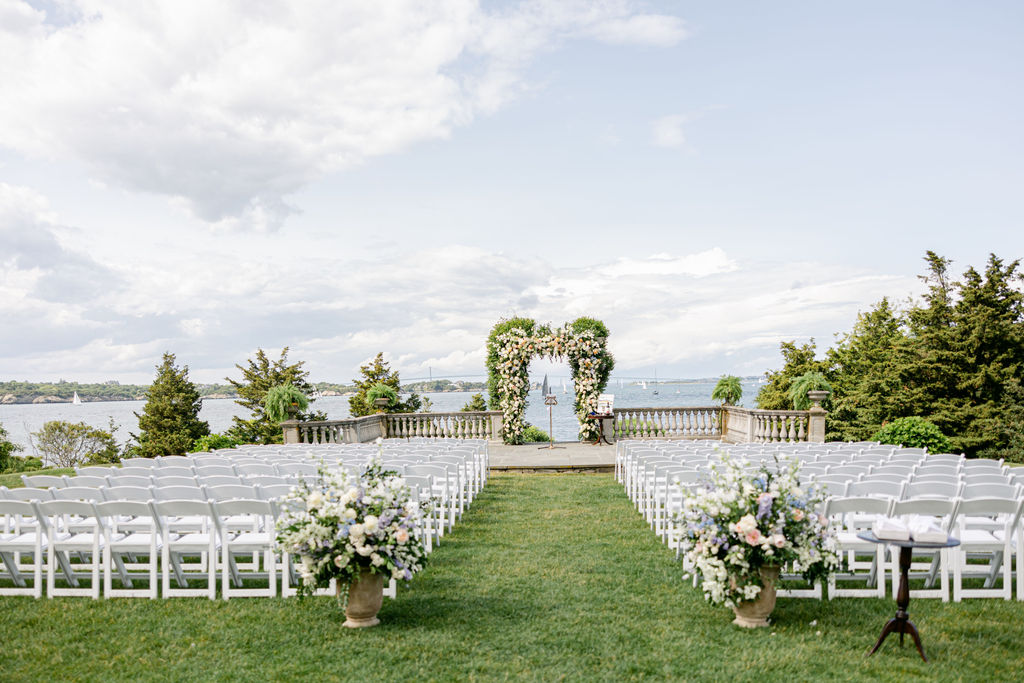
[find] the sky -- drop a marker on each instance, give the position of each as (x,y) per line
(347,178)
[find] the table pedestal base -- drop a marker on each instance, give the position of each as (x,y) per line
(901,622)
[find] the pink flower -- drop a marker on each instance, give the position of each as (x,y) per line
(798,515)
(754,537)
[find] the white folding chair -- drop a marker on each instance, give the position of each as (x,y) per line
(130,529)
(258,539)
(978,541)
(944,512)
(68,532)
(201,543)
(854,515)
(23,538)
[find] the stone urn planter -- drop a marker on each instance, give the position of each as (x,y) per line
(365,597)
(754,613)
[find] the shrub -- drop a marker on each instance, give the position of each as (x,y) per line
(284,400)
(533,434)
(809,381)
(7,451)
(914,432)
(475,403)
(214,442)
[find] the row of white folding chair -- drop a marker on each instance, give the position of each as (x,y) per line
(987,527)
(98,531)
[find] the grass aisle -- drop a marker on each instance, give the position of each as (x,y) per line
(548,577)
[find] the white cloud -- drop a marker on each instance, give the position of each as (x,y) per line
(230,107)
(668,131)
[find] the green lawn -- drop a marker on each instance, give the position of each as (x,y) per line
(548,577)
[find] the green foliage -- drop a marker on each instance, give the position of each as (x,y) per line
(955,357)
(169,423)
(284,400)
(7,450)
(476,403)
(532,434)
(66,444)
(379,372)
(809,381)
(214,442)
(258,377)
(381,391)
(729,390)
(797,360)
(914,432)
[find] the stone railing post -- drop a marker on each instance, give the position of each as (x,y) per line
(607,427)
(291,431)
(816,418)
(497,426)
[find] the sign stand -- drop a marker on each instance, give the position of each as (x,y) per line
(551,401)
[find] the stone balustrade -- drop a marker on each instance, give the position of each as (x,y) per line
(454,425)
(703,422)
(459,425)
(731,424)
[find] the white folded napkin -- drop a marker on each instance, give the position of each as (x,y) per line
(926,530)
(888,529)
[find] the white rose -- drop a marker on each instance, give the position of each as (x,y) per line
(376,560)
(356,530)
(364,550)
(370,524)
(314,501)
(350,513)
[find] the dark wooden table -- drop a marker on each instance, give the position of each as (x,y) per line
(901,622)
(600,427)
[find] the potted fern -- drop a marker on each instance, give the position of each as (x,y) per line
(807,388)
(284,402)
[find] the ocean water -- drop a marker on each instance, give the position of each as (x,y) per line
(23,419)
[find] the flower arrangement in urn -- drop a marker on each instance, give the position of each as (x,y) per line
(745,523)
(353,528)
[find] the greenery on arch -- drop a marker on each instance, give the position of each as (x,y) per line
(514,342)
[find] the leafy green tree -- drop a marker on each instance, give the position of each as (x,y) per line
(66,444)
(797,360)
(476,403)
(729,390)
(212,442)
(258,377)
(169,423)
(379,372)
(7,450)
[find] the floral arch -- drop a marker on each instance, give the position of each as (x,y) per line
(511,346)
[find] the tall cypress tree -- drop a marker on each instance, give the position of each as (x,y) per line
(169,423)
(378,371)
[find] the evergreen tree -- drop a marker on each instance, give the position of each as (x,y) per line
(379,372)
(169,423)
(798,360)
(7,450)
(257,379)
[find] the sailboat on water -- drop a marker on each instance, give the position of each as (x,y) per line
(75,401)
(564,390)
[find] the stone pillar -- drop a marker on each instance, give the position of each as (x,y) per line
(816,425)
(607,427)
(291,431)
(497,427)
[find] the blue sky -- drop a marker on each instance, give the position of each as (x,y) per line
(347,178)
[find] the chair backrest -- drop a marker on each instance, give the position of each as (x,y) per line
(253,507)
(60,508)
(251,469)
(174,471)
(129,480)
(990,490)
(273,491)
(174,461)
(43,481)
(876,488)
(182,508)
(204,471)
(220,481)
(78,493)
(136,509)
(931,489)
(1009,509)
(138,463)
(161,481)
(178,493)
(944,508)
(86,480)
(132,493)
(863,505)
(231,491)
(29,493)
